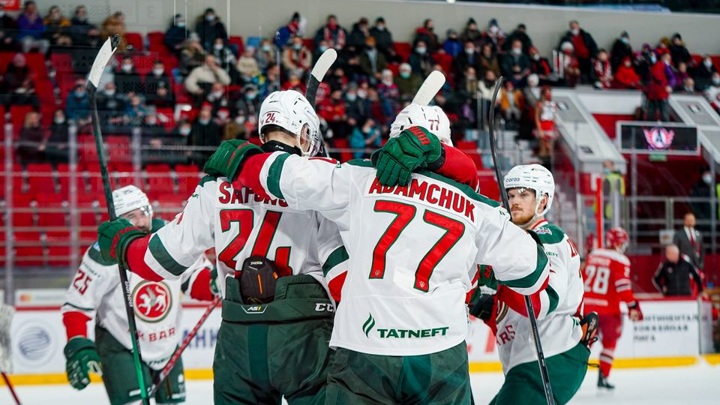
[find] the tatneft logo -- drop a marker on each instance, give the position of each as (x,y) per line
(396,333)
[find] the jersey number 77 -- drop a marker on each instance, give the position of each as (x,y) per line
(404,213)
(245,219)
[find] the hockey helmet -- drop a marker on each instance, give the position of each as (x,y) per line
(617,238)
(292,112)
(130,198)
(432,118)
(534,177)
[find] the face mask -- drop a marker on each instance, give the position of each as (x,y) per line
(59,120)
(653,59)
(707,178)
(322,48)
(494,29)
(203,121)
(127,68)
(266,48)
(239,120)
(2,14)
(470,77)
(388,81)
(470,51)
(297,47)
(152,121)
(716,80)
(251,96)
(362,93)
(405,75)
(158,71)
(381,28)
(110,92)
(575,31)
(79,93)
(517,51)
(181,24)
(223,115)
(210,17)
(707,63)
(351,97)
(185,131)
(625,40)
(218,46)
(536,56)
(421,51)
(216,94)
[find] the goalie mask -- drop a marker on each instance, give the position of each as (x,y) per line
(130,198)
(533,177)
(292,112)
(431,118)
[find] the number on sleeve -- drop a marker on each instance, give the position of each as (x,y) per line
(404,213)
(81,282)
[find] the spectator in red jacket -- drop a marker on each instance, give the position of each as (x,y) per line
(333,111)
(657,93)
(333,33)
(540,66)
(427,35)
(625,76)
(570,65)
(603,71)
(584,46)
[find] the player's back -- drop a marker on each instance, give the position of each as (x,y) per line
(604,271)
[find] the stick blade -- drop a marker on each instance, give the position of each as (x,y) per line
(432,84)
(323,64)
(101,60)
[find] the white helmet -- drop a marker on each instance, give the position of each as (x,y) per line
(534,177)
(292,112)
(130,198)
(431,118)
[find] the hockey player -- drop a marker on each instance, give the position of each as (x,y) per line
(607,282)
(277,314)
(412,256)
(96,294)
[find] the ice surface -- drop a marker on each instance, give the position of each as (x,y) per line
(656,386)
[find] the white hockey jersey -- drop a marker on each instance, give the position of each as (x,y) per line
(97,293)
(412,249)
(558,308)
(238,224)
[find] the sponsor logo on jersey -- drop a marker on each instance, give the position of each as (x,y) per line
(152,301)
(659,138)
(543,231)
(431,193)
(397,333)
(254,309)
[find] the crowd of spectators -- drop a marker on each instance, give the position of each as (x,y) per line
(371,81)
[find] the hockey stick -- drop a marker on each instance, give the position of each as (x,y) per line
(10,386)
(325,61)
(429,88)
(101,60)
(160,377)
(528,303)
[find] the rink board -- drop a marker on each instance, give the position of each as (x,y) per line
(671,334)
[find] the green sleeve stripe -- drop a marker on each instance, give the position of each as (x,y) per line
(77,307)
(157,249)
(554,298)
(273,180)
(360,163)
(206,179)
(185,285)
(336,257)
(532,278)
(95,256)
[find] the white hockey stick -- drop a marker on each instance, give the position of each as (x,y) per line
(325,61)
(427,91)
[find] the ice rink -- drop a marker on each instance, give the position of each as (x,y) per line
(658,386)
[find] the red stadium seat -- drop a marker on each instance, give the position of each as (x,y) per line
(29,249)
(40,178)
(23,212)
(167,206)
(58,248)
(237,41)
(63,170)
(86,149)
(62,62)
(159,180)
(5,58)
(94,178)
(3,249)
(403,49)
(52,211)
(167,117)
(87,208)
(17,117)
(144,63)
(17,179)
(156,42)
(188,177)
(345,154)
(118,148)
(122,174)
(135,39)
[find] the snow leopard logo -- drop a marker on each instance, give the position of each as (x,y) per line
(152,301)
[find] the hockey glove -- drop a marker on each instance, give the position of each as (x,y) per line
(413,148)
(487,277)
(115,236)
(635,312)
(483,307)
(258,280)
(81,359)
(228,157)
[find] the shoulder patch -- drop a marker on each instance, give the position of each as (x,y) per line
(550,233)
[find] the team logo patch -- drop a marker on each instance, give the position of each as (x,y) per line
(152,301)
(659,138)
(543,231)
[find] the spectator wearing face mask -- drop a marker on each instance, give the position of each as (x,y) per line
(270,81)
(625,76)
(176,34)
(712,92)
(681,74)
(235,128)
(408,82)
(621,49)
(359,34)
(8,28)
(201,78)
(111,105)
(192,55)
(389,94)
(135,111)
(678,50)
(520,34)
(570,65)
(56,149)
(226,59)
(365,136)
(584,47)
(127,79)
(489,60)
(420,60)
(467,85)
(427,35)
(266,55)
(333,33)
(209,28)
(77,105)
(453,46)
(541,67)
(31,28)
(296,57)
(247,66)
(82,31)
(333,111)
(355,108)
(602,71)
(284,34)
(516,65)
(248,105)
(703,189)
(156,79)
(471,32)
(294,83)
(494,35)
(372,62)
(703,73)
(205,133)
(657,93)
(468,58)
(384,40)
(217,97)
(182,130)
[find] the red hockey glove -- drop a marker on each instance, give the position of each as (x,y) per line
(635,312)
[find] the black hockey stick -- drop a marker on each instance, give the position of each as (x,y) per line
(101,60)
(11,388)
(317,74)
(528,303)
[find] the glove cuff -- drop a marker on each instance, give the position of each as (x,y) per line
(435,163)
(124,242)
(633,305)
(228,157)
(76,345)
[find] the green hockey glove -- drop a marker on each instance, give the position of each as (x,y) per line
(413,148)
(228,157)
(115,236)
(81,359)
(487,277)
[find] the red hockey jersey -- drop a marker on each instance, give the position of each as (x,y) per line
(607,281)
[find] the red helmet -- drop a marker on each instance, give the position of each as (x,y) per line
(617,237)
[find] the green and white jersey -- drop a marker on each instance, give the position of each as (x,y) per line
(412,250)
(558,308)
(96,292)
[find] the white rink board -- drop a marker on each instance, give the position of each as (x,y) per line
(670,329)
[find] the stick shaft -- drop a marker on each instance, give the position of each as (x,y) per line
(11,388)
